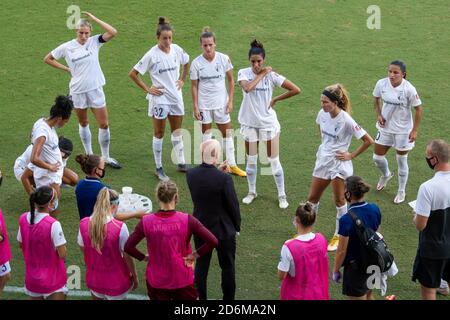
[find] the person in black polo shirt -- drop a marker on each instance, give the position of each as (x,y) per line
(432,219)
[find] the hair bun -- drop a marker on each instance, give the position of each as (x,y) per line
(162,20)
(256,44)
(206,29)
(81,158)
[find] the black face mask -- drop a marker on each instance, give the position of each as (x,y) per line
(103,173)
(429,162)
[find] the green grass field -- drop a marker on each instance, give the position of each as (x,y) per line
(312,43)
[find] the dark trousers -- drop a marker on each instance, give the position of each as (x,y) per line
(186,293)
(226,251)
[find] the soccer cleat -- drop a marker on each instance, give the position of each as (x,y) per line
(282,202)
(161,174)
(383,181)
(333,244)
(183,167)
(237,171)
(249,198)
(113,163)
(400,197)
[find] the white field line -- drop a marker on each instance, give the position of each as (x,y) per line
(75,293)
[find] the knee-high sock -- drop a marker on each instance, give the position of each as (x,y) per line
(340,211)
(104,138)
(403,171)
(86,138)
(252,169)
(178,147)
(157,151)
(382,164)
(228,146)
(315,207)
(278,175)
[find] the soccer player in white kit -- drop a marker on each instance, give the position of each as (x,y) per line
(258,118)
(165,98)
(395,124)
(45,156)
(23,169)
(334,161)
(211,100)
(86,84)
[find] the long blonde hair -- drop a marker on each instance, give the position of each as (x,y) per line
(97,222)
(342,94)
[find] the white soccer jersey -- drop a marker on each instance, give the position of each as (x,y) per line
(397,105)
(164,70)
(83,63)
(255,111)
(24,159)
(212,91)
(337,132)
(50,150)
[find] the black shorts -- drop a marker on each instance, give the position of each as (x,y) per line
(354,283)
(429,272)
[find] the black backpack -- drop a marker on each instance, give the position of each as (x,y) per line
(374,249)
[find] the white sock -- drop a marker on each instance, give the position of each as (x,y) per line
(178,147)
(86,138)
(340,211)
(382,164)
(228,146)
(104,137)
(403,171)
(157,151)
(206,136)
(315,207)
(278,175)
(252,169)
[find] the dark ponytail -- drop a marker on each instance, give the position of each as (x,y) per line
(256,48)
(40,197)
(306,214)
(163,25)
(88,162)
(62,108)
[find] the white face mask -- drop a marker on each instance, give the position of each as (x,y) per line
(54,206)
(294,223)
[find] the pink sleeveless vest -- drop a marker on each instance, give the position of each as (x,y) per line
(311,270)
(44,269)
(5,251)
(106,273)
(166,245)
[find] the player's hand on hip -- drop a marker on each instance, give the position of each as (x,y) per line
(343,155)
(156,91)
(54,167)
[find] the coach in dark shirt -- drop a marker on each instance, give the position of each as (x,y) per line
(217,208)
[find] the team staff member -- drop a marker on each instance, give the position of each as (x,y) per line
(348,252)
(258,118)
(46,157)
(334,161)
(217,207)
(432,219)
(395,124)
(86,84)
(211,100)
(165,98)
(170,258)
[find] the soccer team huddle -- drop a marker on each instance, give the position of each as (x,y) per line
(42,167)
